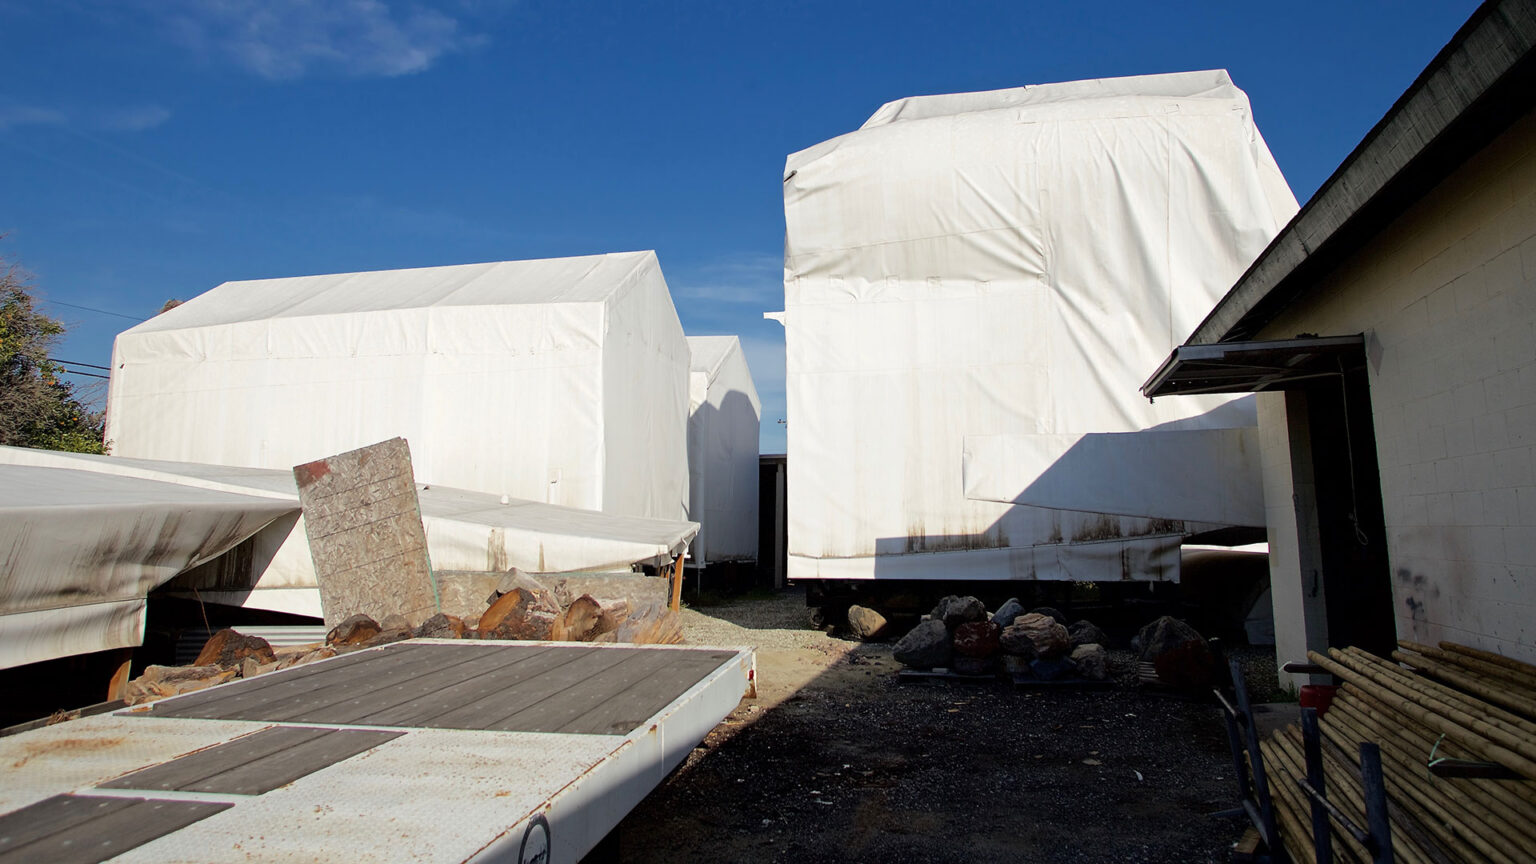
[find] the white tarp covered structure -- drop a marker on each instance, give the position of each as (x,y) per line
(1000,264)
(81,550)
(94,527)
(724,416)
(563,381)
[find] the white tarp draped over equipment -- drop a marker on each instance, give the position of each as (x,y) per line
(996,264)
(81,550)
(724,414)
(563,381)
(465,530)
(1194,475)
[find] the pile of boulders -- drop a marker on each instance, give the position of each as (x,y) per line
(521,607)
(959,635)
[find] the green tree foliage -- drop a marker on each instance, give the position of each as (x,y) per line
(37,407)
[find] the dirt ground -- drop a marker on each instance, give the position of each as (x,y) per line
(835,760)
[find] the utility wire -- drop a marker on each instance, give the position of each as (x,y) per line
(91,309)
(73,363)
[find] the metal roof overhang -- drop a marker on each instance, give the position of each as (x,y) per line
(1249,367)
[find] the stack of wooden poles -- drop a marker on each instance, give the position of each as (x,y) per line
(1448,703)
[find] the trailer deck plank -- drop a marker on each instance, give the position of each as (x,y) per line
(78,829)
(256,763)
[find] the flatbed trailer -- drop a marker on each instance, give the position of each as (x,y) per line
(426,750)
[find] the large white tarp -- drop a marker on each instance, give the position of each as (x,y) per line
(724,414)
(998,264)
(562,381)
(1193,475)
(81,550)
(466,530)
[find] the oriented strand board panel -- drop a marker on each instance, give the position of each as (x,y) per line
(365,534)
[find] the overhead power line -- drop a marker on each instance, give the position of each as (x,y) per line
(93,309)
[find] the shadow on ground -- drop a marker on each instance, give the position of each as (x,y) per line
(854,766)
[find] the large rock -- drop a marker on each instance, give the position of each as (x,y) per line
(1048,635)
(976,639)
(1016,642)
(865,623)
(1053,613)
(1181,656)
(954,611)
(354,630)
(1053,669)
(1006,613)
(228,650)
(925,646)
(1092,661)
(1086,633)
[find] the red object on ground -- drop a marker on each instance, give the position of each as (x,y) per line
(1318,696)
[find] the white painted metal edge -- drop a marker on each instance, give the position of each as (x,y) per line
(576,818)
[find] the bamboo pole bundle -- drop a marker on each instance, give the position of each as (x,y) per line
(1493,691)
(1510,722)
(1472,803)
(1295,810)
(1514,753)
(1519,796)
(1411,840)
(1524,670)
(1525,682)
(1459,828)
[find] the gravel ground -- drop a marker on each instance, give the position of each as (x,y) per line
(835,760)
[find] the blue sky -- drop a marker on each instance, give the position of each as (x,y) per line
(151,149)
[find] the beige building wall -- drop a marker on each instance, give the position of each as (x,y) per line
(1446,296)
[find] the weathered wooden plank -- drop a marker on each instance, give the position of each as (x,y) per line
(111,830)
(284,767)
(256,763)
(520,665)
(580,696)
(365,534)
(486,712)
(475,709)
(51,816)
(183,771)
(357,705)
(341,688)
(623,711)
(231,700)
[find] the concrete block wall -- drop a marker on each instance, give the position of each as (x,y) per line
(1446,296)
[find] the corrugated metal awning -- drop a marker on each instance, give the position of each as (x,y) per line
(1250,367)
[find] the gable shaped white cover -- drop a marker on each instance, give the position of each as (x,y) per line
(561,380)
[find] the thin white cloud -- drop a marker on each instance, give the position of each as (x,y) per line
(126,118)
(748,278)
(283,40)
(133,118)
(14,116)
